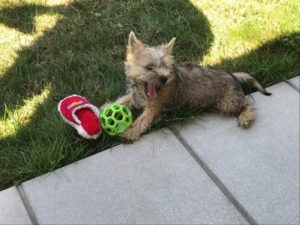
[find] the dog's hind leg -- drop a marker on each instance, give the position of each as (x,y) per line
(247,116)
(238,106)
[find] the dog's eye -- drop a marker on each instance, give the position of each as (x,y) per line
(149,67)
(163,64)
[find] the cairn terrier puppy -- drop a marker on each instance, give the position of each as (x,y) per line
(157,84)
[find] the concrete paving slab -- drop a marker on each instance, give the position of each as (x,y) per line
(153,181)
(295,81)
(260,166)
(12,210)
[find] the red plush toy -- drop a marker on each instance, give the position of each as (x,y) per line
(82,115)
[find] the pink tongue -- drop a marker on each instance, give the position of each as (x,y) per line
(151,91)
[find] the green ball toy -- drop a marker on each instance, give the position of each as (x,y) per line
(115,118)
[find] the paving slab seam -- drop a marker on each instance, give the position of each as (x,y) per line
(27,205)
(239,207)
(292,86)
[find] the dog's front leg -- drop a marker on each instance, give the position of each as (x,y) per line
(125,100)
(141,124)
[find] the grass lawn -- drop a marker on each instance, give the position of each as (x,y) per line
(61,47)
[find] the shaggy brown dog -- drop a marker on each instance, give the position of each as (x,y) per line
(157,84)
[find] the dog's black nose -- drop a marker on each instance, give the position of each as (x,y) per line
(163,79)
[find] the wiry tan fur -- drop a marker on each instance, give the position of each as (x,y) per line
(185,84)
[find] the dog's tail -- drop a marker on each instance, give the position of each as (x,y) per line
(247,78)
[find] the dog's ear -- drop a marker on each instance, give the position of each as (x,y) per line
(169,45)
(133,42)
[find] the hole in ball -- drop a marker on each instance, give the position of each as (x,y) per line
(119,116)
(125,110)
(109,112)
(110,121)
(116,107)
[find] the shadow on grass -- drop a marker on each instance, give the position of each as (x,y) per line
(275,61)
(22,17)
(82,54)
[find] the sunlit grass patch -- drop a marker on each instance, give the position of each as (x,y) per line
(13,40)
(10,44)
(242,26)
(15,119)
(45,22)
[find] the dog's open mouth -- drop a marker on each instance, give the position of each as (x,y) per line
(151,90)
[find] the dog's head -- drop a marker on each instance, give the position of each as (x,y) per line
(149,67)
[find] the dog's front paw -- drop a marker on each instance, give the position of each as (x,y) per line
(131,134)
